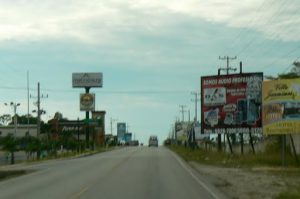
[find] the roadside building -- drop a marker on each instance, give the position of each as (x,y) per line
(21,130)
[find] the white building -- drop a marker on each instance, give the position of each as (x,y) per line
(21,131)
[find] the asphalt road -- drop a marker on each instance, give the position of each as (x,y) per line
(129,173)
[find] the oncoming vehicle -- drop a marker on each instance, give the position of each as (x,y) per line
(153,141)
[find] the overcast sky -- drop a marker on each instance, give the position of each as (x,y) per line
(151,53)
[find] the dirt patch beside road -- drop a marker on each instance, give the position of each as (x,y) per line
(11,173)
(262,183)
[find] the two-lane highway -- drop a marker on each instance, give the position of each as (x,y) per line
(133,172)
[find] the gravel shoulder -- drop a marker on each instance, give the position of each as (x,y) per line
(241,183)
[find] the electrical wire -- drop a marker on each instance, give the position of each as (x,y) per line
(276,13)
(104,92)
(249,24)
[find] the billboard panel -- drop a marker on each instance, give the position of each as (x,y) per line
(99,128)
(281,106)
(231,103)
(82,80)
(87,102)
(121,130)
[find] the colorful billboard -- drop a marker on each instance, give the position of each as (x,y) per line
(281,107)
(231,103)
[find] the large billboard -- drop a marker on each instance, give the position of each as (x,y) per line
(82,80)
(281,106)
(231,103)
(121,130)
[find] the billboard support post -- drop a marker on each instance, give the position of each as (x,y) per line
(219,142)
(229,143)
(78,136)
(87,117)
(283,150)
(294,149)
(241,68)
(251,141)
(242,143)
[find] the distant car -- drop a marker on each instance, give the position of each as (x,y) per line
(153,141)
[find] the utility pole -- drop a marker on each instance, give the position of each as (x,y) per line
(28,102)
(39,111)
(182,107)
(195,100)
(228,68)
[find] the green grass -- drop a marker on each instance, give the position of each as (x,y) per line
(71,154)
(233,160)
(292,193)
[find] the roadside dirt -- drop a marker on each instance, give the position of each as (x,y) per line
(11,173)
(255,183)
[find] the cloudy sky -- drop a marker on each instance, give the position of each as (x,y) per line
(151,53)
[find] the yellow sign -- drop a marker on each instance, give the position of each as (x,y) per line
(281,106)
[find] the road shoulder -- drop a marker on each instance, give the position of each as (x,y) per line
(248,183)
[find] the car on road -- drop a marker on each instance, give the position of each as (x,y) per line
(153,141)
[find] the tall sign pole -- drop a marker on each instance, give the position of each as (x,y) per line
(87,117)
(87,100)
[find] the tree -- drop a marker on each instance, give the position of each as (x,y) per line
(5,119)
(9,143)
(24,119)
(294,73)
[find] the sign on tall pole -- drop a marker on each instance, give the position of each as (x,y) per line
(87,100)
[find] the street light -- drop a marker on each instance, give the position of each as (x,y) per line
(14,105)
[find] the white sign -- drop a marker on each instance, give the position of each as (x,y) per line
(87,102)
(80,80)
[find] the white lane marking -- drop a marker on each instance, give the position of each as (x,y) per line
(195,177)
(78,194)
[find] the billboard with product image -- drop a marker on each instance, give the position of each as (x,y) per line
(231,103)
(87,102)
(281,106)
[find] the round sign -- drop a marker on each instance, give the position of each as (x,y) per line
(87,100)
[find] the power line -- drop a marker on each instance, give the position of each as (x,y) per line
(253,38)
(249,24)
(283,56)
(104,92)
(275,36)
